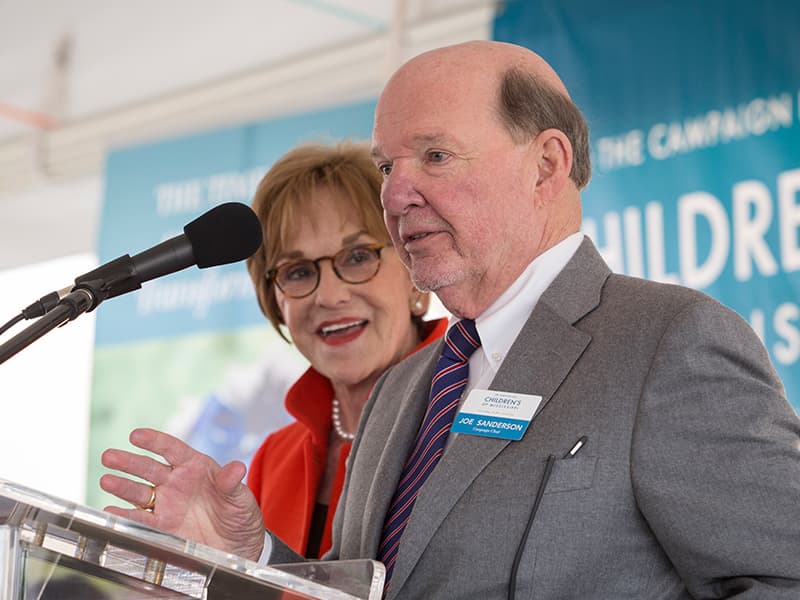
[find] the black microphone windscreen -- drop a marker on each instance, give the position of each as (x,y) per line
(227,233)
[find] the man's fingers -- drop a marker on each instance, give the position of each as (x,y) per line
(230,476)
(143,467)
(175,451)
(138,494)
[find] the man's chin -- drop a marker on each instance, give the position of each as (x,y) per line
(432,282)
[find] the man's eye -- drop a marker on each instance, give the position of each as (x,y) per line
(437,156)
(385,169)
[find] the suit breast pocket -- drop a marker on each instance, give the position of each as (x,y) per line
(572,474)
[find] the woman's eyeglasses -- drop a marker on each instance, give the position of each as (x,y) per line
(354,264)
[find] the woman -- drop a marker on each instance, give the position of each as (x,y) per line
(328,274)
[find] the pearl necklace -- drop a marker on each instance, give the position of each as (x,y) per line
(337,423)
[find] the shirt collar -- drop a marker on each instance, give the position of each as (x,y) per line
(499,325)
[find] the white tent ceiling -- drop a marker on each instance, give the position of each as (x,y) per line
(79,77)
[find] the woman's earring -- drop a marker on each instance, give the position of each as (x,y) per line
(417,307)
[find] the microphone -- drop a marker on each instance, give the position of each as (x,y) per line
(227,233)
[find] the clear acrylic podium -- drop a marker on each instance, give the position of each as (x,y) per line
(51,549)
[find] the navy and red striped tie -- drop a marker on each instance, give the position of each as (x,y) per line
(449,381)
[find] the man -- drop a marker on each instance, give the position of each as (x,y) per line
(662,459)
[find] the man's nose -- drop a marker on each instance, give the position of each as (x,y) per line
(400,190)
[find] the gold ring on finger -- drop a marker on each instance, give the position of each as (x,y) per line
(150,504)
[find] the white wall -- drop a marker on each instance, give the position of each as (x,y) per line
(45,388)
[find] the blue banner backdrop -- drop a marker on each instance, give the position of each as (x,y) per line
(693,112)
(191,353)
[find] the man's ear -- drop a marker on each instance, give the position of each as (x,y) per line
(554,162)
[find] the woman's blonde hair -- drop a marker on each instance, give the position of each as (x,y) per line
(286,195)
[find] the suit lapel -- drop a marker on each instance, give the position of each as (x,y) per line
(541,357)
(549,345)
(395,452)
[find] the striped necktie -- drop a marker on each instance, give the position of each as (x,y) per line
(447,385)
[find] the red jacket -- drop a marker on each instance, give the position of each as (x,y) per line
(287,469)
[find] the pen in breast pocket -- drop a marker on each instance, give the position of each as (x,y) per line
(578,445)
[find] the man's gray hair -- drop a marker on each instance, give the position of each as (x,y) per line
(528,106)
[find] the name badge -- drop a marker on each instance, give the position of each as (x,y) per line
(489,413)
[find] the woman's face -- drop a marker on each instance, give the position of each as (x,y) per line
(350,333)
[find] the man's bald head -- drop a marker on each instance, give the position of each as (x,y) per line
(492,57)
(527,94)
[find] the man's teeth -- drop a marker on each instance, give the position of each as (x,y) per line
(417,236)
(328,330)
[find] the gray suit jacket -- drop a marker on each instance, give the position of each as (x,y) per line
(688,485)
